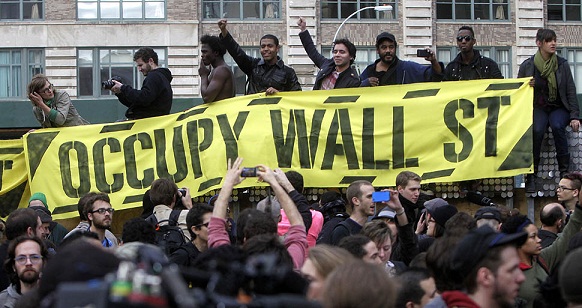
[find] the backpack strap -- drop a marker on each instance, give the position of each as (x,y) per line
(174,217)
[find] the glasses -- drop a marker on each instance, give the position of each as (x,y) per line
(464,38)
(47,90)
(562,188)
(34,259)
(103,210)
(204,224)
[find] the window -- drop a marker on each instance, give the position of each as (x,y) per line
(240,78)
(21,9)
(501,55)
(241,9)
(365,55)
(100,64)
(341,9)
(121,9)
(17,66)
(574,57)
(473,10)
(564,10)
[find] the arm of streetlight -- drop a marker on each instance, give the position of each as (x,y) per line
(377,8)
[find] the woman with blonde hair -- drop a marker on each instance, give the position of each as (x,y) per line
(51,107)
(321,261)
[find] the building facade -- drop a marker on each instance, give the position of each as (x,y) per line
(78,44)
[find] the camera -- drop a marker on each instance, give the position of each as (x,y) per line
(108,84)
(182,191)
(249,172)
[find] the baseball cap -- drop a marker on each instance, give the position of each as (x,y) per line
(432,204)
(442,214)
(488,212)
(474,246)
(385,36)
(385,213)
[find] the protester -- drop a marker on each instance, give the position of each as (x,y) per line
(216,77)
(52,107)
(333,73)
(535,262)
(321,261)
(555,102)
(155,96)
(267,74)
(469,63)
(390,70)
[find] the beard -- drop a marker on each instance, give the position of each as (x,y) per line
(29,276)
(384,55)
(500,299)
(102,224)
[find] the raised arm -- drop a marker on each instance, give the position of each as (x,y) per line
(267,175)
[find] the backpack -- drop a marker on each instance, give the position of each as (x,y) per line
(169,237)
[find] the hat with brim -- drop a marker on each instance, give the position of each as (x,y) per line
(474,246)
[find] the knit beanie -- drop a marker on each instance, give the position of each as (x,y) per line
(39,196)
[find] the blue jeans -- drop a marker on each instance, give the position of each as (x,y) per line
(557,119)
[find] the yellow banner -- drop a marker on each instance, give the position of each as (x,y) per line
(14,190)
(449,131)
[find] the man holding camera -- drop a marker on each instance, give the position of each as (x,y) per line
(155,96)
(389,70)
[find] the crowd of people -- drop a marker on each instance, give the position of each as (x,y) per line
(344,251)
(409,250)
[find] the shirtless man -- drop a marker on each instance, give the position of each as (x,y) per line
(216,82)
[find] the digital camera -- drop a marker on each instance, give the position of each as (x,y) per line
(108,84)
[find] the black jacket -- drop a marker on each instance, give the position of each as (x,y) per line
(480,68)
(261,75)
(154,99)
(347,79)
(566,85)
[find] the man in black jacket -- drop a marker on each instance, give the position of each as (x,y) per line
(155,96)
(469,63)
(334,73)
(267,74)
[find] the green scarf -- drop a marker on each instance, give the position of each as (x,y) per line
(548,70)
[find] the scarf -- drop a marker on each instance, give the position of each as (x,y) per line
(458,299)
(548,70)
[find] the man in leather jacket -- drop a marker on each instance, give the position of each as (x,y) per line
(267,74)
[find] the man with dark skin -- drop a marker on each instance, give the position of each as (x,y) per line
(469,63)
(267,74)
(216,77)
(389,69)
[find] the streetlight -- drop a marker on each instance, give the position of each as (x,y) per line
(378,8)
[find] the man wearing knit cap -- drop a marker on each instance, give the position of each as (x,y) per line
(389,69)
(54,231)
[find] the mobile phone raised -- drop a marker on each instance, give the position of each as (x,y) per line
(422,53)
(249,172)
(381,196)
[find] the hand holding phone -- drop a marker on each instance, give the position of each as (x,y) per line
(423,53)
(381,196)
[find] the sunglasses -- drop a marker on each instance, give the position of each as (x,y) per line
(464,38)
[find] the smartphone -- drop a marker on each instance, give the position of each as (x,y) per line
(422,53)
(249,172)
(381,196)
